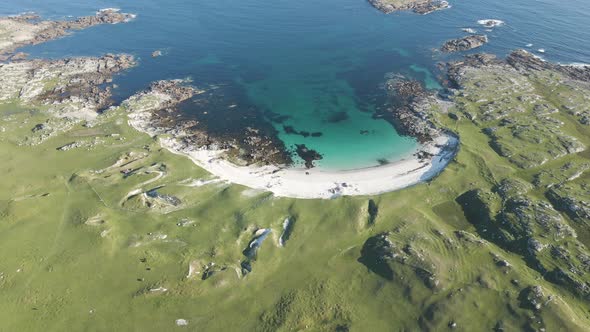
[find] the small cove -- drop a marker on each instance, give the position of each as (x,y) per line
(315,65)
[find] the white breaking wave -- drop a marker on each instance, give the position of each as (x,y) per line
(491,23)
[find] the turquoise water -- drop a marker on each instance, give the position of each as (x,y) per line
(317,64)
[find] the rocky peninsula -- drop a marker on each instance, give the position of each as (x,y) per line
(71,90)
(28,29)
(422,7)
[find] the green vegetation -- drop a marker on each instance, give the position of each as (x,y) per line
(116,233)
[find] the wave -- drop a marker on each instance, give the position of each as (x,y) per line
(491,23)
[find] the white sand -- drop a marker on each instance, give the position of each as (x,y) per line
(318,183)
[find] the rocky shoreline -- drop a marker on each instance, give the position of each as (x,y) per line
(513,124)
(71,90)
(156,112)
(408,109)
(28,29)
(74,87)
(79,88)
(421,7)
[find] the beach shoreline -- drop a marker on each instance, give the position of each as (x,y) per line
(316,183)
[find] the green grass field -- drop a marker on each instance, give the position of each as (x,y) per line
(85,247)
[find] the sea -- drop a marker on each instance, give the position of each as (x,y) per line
(313,66)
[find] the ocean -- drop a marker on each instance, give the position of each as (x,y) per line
(317,65)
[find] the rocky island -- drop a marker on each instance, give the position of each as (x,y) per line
(422,7)
(464,44)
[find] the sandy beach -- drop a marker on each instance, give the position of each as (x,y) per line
(318,183)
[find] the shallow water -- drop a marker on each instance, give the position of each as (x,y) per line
(316,64)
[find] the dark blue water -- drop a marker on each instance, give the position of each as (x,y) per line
(316,63)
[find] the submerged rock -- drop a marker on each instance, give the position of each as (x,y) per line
(308,155)
(163,107)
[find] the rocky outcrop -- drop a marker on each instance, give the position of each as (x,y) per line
(409,108)
(573,199)
(27,29)
(74,87)
(251,251)
(464,44)
(417,6)
(156,111)
(532,228)
(525,61)
(515,103)
(391,260)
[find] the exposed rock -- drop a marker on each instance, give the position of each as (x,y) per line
(464,44)
(288,225)
(28,30)
(525,61)
(573,199)
(156,111)
(390,260)
(409,110)
(251,252)
(69,146)
(167,199)
(533,298)
(417,6)
(531,228)
(510,187)
(73,87)
(490,23)
(373,210)
(376,253)
(517,115)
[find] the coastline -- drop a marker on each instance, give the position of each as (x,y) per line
(317,183)
(427,161)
